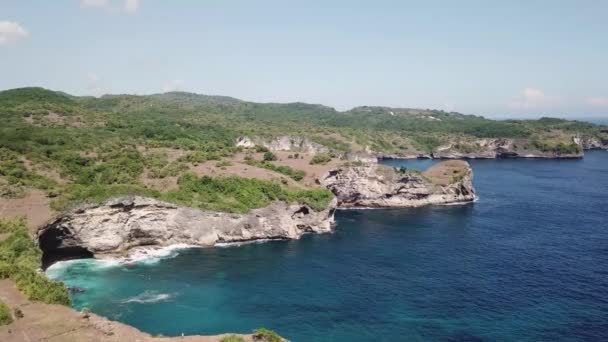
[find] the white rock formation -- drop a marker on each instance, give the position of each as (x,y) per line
(377,186)
(123,223)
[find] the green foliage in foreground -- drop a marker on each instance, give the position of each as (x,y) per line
(292,173)
(5,314)
(263,334)
(236,194)
(20,260)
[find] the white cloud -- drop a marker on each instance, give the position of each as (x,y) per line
(599,101)
(129,6)
(11,32)
(173,85)
(535,99)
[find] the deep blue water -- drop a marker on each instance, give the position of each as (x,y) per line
(527,262)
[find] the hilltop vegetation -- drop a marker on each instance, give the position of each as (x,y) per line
(78,148)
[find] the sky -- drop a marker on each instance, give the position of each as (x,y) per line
(517,58)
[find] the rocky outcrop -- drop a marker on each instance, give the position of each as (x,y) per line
(123,223)
(378,186)
(294,144)
(244,142)
(284,143)
(591,143)
(500,148)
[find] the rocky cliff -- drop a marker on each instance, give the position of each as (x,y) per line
(591,143)
(284,143)
(372,185)
(123,223)
(504,148)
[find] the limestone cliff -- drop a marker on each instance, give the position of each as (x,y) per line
(123,223)
(591,143)
(284,143)
(372,185)
(501,148)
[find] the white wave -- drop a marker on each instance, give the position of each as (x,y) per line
(476,199)
(149,255)
(148,297)
(138,255)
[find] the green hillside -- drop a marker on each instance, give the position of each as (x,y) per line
(76,148)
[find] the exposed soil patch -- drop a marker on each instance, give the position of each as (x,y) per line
(313,172)
(238,168)
(160,184)
(446,172)
(34,206)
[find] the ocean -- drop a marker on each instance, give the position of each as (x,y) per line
(527,262)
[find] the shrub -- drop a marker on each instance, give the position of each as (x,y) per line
(322,158)
(269,156)
(5,314)
(259,148)
(265,335)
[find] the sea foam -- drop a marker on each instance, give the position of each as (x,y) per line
(138,255)
(148,297)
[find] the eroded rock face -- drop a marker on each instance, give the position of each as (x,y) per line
(591,143)
(294,144)
(123,223)
(500,148)
(284,143)
(378,186)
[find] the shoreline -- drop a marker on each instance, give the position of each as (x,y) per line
(431,156)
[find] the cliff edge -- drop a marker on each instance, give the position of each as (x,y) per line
(377,186)
(120,224)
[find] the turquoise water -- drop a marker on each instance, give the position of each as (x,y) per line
(527,262)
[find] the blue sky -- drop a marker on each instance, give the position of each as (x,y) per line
(494,58)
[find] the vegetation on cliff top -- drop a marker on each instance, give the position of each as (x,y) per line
(20,260)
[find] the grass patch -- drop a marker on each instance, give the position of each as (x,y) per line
(292,173)
(236,194)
